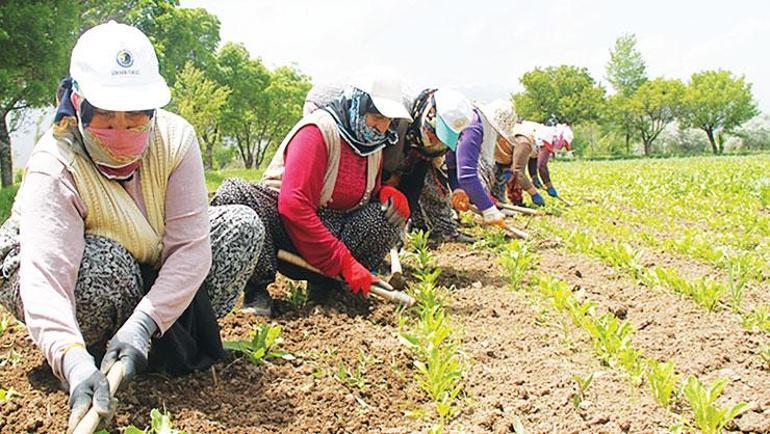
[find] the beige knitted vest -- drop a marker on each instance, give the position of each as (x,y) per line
(325,122)
(112,212)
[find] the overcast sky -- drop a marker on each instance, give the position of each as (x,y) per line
(483,47)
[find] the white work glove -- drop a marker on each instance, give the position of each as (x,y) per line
(493,217)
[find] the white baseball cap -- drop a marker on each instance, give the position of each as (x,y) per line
(114,67)
(454,113)
(386,90)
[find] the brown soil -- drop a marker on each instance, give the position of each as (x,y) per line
(521,362)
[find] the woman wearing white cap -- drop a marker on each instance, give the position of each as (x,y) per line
(414,164)
(111,236)
(542,141)
(316,197)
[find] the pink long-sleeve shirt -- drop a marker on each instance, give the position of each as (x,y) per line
(52,241)
(300,194)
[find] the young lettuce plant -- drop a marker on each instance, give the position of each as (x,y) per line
(758,318)
(662,379)
(709,418)
(263,345)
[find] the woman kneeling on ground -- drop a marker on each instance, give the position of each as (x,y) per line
(315,198)
(111,236)
(543,142)
(414,165)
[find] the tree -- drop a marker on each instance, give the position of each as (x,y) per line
(35,38)
(184,35)
(716,102)
(655,104)
(248,78)
(566,94)
(263,105)
(282,109)
(200,100)
(619,117)
(626,70)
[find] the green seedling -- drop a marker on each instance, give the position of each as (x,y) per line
(11,358)
(7,394)
(764,355)
(632,362)
(662,379)
(736,284)
(709,418)
(5,323)
(578,398)
(758,319)
(160,423)
(556,290)
(580,313)
(354,378)
(610,336)
(418,244)
(263,346)
(517,260)
(298,295)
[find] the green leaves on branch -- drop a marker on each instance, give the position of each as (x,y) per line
(565,93)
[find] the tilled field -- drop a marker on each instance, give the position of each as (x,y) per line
(521,354)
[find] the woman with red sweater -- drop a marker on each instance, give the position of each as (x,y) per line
(316,197)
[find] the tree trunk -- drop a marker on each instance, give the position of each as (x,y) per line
(208,155)
(712,140)
(647,147)
(628,143)
(6,156)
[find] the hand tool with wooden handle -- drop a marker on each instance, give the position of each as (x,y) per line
(90,421)
(379,288)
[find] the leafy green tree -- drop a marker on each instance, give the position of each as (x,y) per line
(35,41)
(716,102)
(262,106)
(178,34)
(559,94)
(626,71)
(200,100)
(184,35)
(285,96)
(619,117)
(247,78)
(655,104)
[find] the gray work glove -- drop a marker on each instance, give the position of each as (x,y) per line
(131,344)
(86,385)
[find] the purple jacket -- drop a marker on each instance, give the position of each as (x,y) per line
(463,164)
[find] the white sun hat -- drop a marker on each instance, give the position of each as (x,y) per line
(454,113)
(385,88)
(114,67)
(501,115)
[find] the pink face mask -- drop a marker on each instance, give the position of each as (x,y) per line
(116,147)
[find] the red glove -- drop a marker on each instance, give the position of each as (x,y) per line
(397,199)
(356,275)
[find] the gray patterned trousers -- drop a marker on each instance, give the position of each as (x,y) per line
(365,231)
(110,282)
